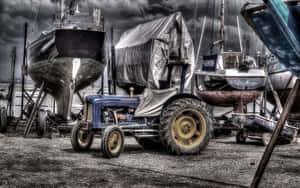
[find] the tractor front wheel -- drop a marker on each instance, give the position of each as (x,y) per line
(81,140)
(112,142)
(185,127)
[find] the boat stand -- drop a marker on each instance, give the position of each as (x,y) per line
(36,107)
(270,147)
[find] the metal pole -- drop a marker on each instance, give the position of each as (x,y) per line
(102,84)
(270,147)
(222,25)
(109,76)
(198,53)
(62,10)
(200,40)
(23,69)
(239,32)
(113,62)
(53,106)
(12,84)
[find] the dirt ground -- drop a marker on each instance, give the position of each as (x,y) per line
(33,162)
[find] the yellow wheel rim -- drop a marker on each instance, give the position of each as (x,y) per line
(83,138)
(189,128)
(114,142)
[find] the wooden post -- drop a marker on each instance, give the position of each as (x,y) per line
(270,147)
(36,107)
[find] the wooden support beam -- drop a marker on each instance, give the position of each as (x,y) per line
(270,147)
(80,97)
(35,109)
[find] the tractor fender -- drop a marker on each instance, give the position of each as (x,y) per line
(178,96)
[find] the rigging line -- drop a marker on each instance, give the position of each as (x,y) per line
(89,7)
(213,26)
(201,38)
(238,23)
(36,15)
(195,18)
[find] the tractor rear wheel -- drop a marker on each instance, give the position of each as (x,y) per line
(112,142)
(81,140)
(149,143)
(185,127)
(3,120)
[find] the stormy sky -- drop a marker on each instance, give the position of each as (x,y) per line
(122,15)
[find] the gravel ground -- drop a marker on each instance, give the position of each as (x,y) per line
(33,162)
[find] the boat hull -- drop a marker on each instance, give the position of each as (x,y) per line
(282,83)
(281,36)
(66,61)
(234,99)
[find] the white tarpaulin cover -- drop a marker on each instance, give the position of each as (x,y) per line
(152,102)
(142,52)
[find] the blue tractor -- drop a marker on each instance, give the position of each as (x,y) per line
(156,69)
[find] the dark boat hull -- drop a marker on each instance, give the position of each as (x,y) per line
(283,82)
(67,61)
(278,27)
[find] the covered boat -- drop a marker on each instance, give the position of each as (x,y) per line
(69,56)
(144,53)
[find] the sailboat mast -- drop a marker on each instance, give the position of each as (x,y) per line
(62,8)
(222,31)
(239,33)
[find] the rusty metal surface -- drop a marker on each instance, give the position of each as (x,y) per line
(228,98)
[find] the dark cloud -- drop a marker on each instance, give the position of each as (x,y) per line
(122,15)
